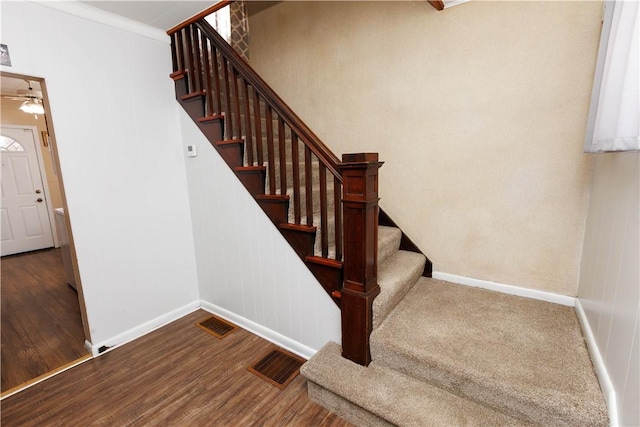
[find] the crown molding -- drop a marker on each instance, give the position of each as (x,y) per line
(82,10)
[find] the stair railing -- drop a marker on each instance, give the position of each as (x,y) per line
(295,159)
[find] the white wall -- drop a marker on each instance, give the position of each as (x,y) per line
(609,291)
(247,271)
(478,112)
(119,143)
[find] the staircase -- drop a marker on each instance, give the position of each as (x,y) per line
(414,350)
(449,355)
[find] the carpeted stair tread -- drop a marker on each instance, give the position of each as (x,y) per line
(523,357)
(388,242)
(389,395)
(396,275)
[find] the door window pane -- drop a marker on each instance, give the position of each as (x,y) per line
(9,144)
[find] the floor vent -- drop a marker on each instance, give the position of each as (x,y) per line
(277,367)
(217,326)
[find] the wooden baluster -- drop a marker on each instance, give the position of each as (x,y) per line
(258,124)
(296,177)
(227,96)
(191,66)
(236,98)
(283,156)
(207,73)
(247,123)
(271,169)
(308,185)
(197,58)
(337,212)
(216,77)
(360,215)
(180,54)
(174,53)
(324,228)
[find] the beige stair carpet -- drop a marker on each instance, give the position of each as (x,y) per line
(381,396)
(523,357)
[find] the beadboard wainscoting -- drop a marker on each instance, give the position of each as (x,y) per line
(115,128)
(245,266)
(609,294)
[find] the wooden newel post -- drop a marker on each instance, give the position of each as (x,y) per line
(360,287)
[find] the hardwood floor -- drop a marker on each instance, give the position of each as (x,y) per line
(40,323)
(178,375)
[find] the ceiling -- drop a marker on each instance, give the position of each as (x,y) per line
(10,85)
(159,14)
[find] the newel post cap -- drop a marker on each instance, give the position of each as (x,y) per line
(360,158)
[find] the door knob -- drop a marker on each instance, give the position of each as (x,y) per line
(39,200)
(38,191)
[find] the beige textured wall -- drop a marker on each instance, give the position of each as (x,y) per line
(478,112)
(11,115)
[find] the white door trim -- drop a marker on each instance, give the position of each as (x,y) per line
(43,176)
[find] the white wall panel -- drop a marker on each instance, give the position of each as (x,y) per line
(610,278)
(244,265)
(118,137)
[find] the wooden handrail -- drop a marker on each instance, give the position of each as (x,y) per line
(327,157)
(208,11)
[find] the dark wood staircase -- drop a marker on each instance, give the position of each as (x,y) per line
(325,207)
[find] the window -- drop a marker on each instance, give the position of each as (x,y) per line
(10,144)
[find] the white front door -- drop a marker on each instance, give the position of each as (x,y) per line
(25,224)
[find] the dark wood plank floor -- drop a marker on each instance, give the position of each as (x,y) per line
(178,375)
(40,322)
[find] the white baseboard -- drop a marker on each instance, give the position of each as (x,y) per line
(601,370)
(143,329)
(262,331)
(506,289)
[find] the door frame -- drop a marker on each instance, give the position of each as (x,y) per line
(67,217)
(43,177)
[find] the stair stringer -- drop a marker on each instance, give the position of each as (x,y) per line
(244,264)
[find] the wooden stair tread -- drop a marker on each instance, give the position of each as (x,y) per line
(192,95)
(273,197)
(250,168)
(210,118)
(177,75)
(230,141)
(299,227)
(327,262)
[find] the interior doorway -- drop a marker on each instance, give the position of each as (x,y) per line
(44,323)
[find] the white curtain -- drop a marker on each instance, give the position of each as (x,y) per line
(614,119)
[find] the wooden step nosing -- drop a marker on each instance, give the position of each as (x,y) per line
(325,262)
(192,95)
(210,118)
(250,168)
(230,142)
(273,197)
(299,227)
(177,75)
